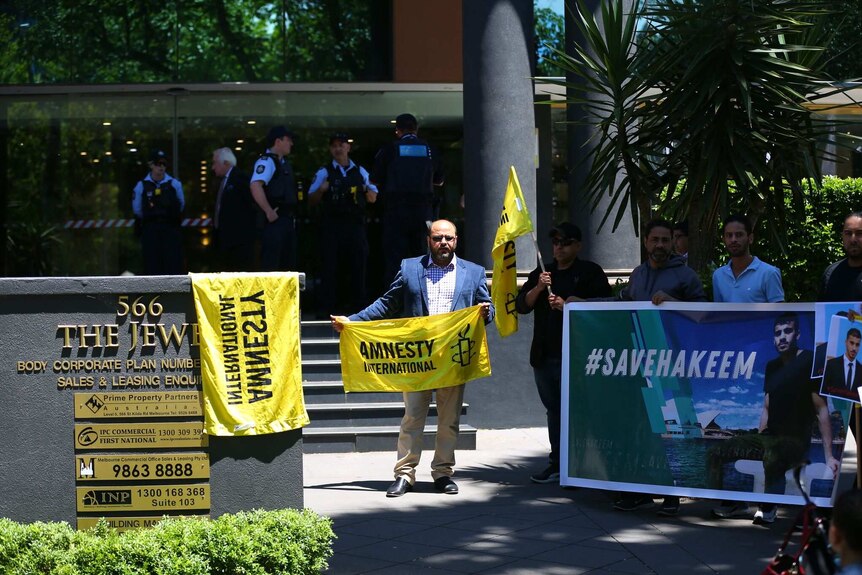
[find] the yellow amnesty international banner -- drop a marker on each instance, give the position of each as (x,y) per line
(250,362)
(415,354)
(515,221)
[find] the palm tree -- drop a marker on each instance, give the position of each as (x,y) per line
(707,101)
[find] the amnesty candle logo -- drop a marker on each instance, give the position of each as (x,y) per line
(414,354)
(463,348)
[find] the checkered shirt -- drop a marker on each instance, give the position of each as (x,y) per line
(440,283)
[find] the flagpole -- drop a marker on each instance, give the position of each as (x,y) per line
(539,253)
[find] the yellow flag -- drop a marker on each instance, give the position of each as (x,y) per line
(250,362)
(515,221)
(416,353)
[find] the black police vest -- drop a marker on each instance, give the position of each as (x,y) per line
(410,173)
(281,189)
(346,193)
(160,201)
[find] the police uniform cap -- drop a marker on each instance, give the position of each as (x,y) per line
(566,231)
(277,133)
(158,156)
(340,137)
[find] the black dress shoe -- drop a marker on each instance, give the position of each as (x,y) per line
(399,487)
(446,485)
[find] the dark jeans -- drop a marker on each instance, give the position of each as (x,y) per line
(278,245)
(778,453)
(343,254)
(547,378)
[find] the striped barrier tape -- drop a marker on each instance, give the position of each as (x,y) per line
(128,223)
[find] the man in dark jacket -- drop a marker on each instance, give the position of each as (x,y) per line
(234,215)
(545,293)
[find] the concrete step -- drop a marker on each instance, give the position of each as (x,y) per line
(372,438)
(321,369)
(363,414)
(333,392)
(317,329)
(319,348)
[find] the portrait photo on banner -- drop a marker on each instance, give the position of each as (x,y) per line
(699,400)
(839,332)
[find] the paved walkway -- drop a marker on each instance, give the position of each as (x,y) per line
(501,524)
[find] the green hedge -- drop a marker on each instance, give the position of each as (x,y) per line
(286,542)
(801,239)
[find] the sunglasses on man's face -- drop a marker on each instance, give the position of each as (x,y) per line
(564,243)
(162,164)
(438,239)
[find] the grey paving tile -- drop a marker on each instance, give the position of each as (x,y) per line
(447,537)
(397,551)
(511,545)
(495,524)
(603,541)
(381,528)
(412,568)
(628,565)
(347,564)
(532,567)
(559,532)
(346,541)
(581,556)
(464,561)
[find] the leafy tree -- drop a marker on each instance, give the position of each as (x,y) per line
(143,41)
(550,36)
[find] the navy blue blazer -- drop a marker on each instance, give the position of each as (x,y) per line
(408,294)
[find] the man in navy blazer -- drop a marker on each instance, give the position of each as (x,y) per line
(438,282)
(839,370)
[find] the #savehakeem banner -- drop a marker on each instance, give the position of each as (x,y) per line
(698,400)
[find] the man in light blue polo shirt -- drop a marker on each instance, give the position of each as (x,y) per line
(744,278)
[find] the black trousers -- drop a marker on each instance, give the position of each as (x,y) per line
(343,261)
(162,247)
(278,244)
(405,235)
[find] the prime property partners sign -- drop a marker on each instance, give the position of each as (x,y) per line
(101,386)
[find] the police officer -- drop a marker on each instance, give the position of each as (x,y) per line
(406,171)
(158,203)
(273,187)
(342,190)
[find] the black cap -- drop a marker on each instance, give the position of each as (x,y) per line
(406,122)
(566,231)
(158,156)
(339,137)
(277,133)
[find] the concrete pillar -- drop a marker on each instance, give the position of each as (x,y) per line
(618,250)
(499,126)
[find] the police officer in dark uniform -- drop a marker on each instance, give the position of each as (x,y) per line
(158,203)
(405,172)
(341,189)
(273,187)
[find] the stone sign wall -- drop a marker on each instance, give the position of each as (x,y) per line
(101,388)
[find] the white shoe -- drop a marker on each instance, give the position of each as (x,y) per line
(762,517)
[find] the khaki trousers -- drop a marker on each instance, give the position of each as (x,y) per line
(416,404)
